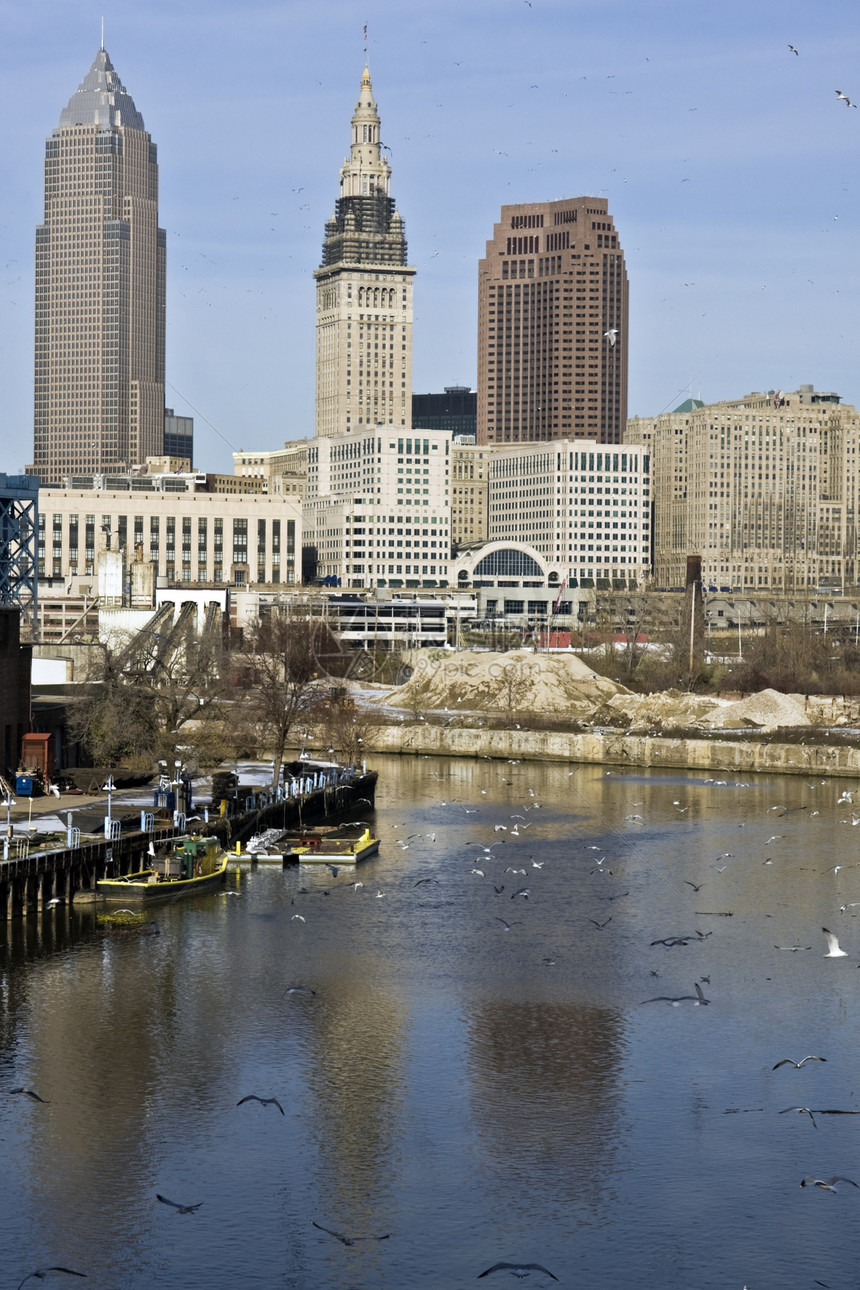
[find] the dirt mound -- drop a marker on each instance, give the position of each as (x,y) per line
(520,681)
(667,710)
(767,710)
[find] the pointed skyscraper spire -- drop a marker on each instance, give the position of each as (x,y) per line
(365,170)
(101,98)
(364,291)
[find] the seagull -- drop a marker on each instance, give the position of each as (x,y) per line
(41,1273)
(479,872)
(28,1092)
(610,335)
(600,925)
(299,989)
(525,892)
(847,103)
(793,50)
(421,881)
(517,1269)
(507,926)
(301,918)
(833,950)
(183,1209)
(334,869)
(804,1110)
(349,1240)
(264,1101)
(695,999)
(789,1061)
(827,1184)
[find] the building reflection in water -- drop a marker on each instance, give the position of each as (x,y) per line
(546,1097)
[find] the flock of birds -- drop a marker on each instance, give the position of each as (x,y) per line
(516,877)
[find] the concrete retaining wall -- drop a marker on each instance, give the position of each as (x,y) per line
(714,756)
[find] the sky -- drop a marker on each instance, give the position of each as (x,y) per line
(729,164)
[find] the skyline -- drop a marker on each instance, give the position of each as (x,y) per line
(725,158)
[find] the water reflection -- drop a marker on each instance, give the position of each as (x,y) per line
(545,1091)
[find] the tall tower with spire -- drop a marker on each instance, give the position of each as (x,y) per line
(364,293)
(100,288)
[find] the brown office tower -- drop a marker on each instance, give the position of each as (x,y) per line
(100,274)
(552,325)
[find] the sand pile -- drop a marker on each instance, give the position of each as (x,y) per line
(667,710)
(766,710)
(519,681)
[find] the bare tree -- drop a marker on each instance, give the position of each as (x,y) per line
(138,699)
(342,725)
(274,675)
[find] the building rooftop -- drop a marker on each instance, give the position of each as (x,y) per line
(101,99)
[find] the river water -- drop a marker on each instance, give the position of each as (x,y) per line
(477,1076)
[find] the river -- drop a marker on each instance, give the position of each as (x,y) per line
(476,1076)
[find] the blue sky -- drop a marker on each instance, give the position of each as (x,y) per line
(728,162)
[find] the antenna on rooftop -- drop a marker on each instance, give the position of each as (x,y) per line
(103,34)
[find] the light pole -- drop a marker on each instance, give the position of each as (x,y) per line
(9,804)
(177,784)
(108,788)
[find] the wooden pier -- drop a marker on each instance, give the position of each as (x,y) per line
(29,883)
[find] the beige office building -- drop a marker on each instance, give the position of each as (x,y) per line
(763,488)
(364,293)
(552,325)
(280,470)
(470,474)
(190,536)
(100,288)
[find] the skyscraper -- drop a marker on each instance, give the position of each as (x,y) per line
(551,286)
(100,288)
(364,293)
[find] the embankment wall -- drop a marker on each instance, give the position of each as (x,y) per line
(710,755)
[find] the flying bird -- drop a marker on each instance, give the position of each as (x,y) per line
(183,1209)
(28,1092)
(610,335)
(833,950)
(827,1184)
(804,1110)
(797,1065)
(299,989)
(793,50)
(349,1240)
(264,1101)
(517,1269)
(695,999)
(845,99)
(41,1273)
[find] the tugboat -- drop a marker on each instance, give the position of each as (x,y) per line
(183,867)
